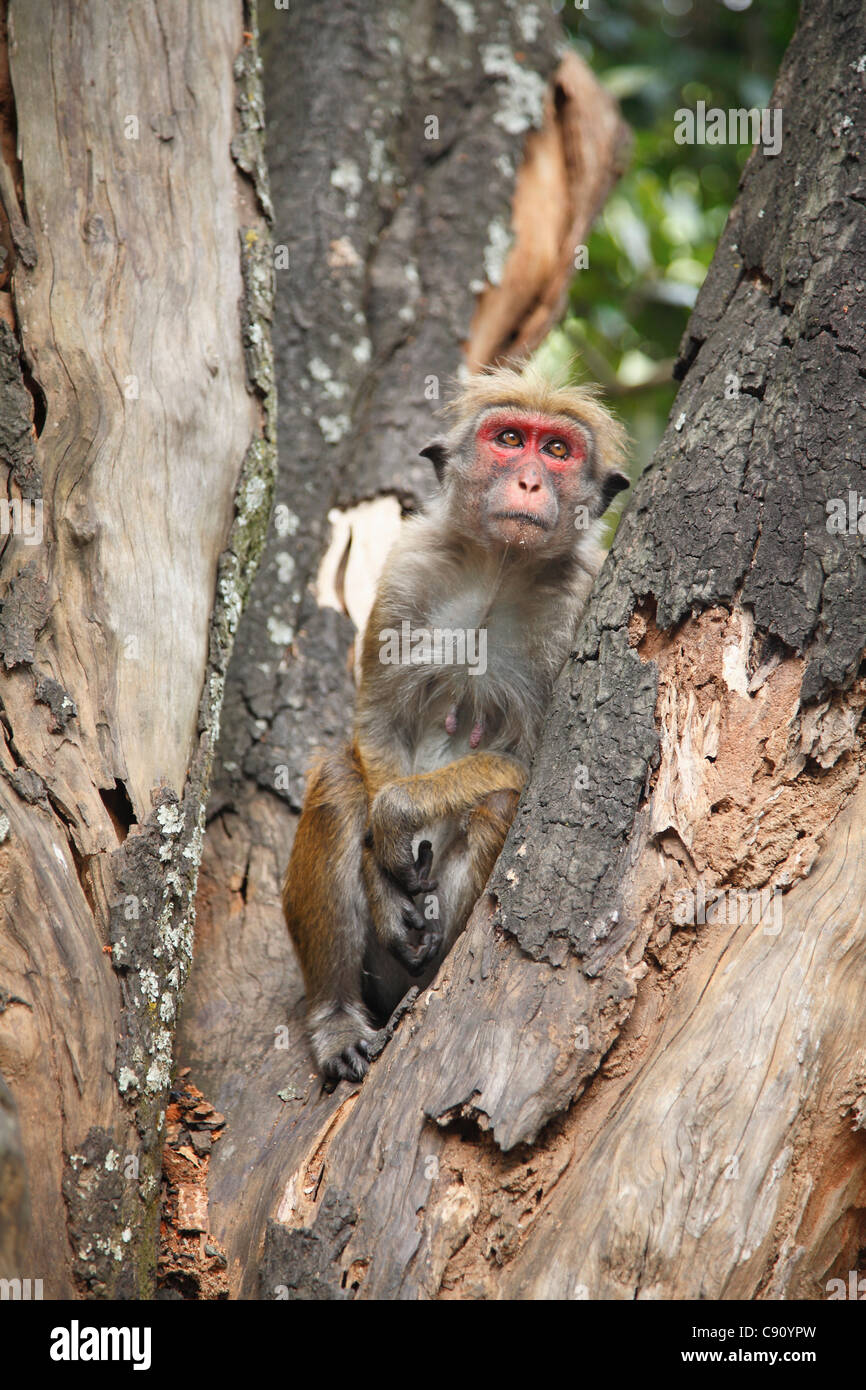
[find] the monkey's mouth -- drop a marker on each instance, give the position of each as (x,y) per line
(531,517)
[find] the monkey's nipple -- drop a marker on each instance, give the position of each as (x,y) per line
(477,733)
(451,720)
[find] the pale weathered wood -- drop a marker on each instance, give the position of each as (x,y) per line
(153,467)
(726,1162)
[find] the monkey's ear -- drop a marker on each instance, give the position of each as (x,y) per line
(612,483)
(437,453)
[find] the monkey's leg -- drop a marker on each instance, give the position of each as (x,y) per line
(327,916)
(405,805)
(468,862)
(464,859)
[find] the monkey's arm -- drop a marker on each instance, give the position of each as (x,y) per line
(325,908)
(406,804)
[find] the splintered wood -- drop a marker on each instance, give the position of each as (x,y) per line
(748,780)
(191,1263)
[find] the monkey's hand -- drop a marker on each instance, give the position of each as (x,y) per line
(400,926)
(389,834)
(419,879)
(419,942)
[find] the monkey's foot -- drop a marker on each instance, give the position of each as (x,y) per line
(419,942)
(341,1039)
(352,1064)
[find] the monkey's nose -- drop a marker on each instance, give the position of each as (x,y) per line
(529,485)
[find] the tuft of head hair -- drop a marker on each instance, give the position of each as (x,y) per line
(525,386)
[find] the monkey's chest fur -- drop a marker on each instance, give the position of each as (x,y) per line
(492,702)
(487,683)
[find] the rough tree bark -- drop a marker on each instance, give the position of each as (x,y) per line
(596,1099)
(399,269)
(136,411)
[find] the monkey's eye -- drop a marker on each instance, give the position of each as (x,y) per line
(512,439)
(557,448)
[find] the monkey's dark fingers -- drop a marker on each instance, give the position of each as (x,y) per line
(401,866)
(417,879)
(409,882)
(355,1062)
(417,960)
(413,920)
(420,944)
(350,1065)
(412,882)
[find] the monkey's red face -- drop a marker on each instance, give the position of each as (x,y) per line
(531,465)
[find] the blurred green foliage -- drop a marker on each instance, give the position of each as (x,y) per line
(654,241)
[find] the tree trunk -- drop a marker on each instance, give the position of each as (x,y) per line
(137,419)
(597,1097)
(410,145)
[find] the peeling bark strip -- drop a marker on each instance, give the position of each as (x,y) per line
(392,239)
(567,170)
(155,468)
(707,740)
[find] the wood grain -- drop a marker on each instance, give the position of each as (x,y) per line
(114,626)
(727,1162)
